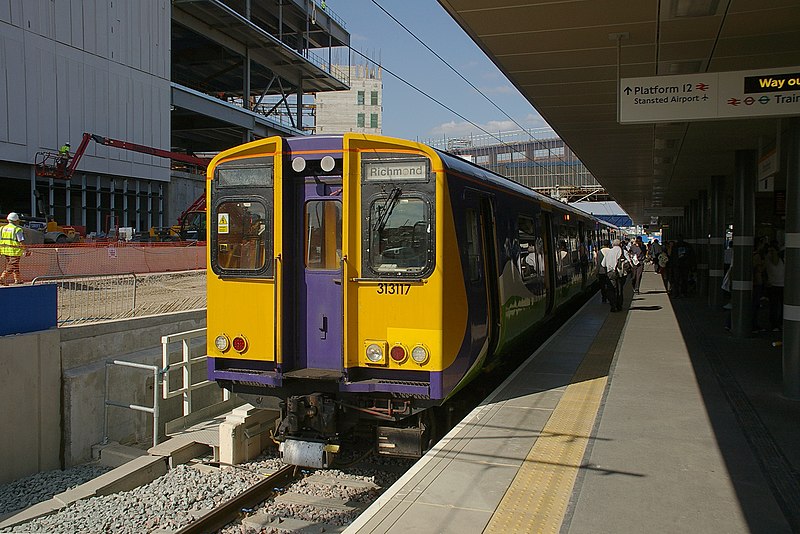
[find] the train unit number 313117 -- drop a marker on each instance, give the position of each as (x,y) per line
(394,289)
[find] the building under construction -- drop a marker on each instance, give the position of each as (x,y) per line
(358,110)
(538,159)
(187,77)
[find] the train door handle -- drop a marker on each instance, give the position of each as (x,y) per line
(323,330)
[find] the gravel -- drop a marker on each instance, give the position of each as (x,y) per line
(175,499)
(169,502)
(382,472)
(42,486)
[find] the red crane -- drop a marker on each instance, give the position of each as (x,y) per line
(54,165)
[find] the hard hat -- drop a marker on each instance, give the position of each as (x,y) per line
(67,144)
(13,216)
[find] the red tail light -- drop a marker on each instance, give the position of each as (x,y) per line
(239,344)
(398,353)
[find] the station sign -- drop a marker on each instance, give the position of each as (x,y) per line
(710,96)
(663,212)
(766,185)
(768,164)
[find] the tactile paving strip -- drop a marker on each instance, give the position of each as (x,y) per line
(538,497)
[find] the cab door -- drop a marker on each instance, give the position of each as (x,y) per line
(318,277)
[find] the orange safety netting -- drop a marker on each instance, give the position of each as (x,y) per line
(105,258)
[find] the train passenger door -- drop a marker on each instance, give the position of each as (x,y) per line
(583,253)
(318,277)
(550,262)
(481,275)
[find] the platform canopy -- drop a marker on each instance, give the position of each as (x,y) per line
(609,211)
(566,57)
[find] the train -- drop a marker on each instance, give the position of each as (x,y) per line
(360,281)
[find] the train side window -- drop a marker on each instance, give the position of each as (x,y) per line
(241,235)
(473,246)
(573,244)
(323,234)
(531,255)
(563,260)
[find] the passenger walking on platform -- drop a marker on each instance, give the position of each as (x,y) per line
(12,248)
(636,255)
(655,251)
(613,261)
(683,264)
(665,265)
(775,270)
(727,258)
(602,272)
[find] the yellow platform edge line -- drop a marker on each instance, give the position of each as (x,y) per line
(538,497)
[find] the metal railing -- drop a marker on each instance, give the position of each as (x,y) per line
(86,299)
(154,410)
(162,389)
(185,365)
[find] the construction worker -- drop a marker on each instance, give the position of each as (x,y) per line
(63,157)
(12,248)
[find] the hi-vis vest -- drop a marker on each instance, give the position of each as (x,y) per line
(9,244)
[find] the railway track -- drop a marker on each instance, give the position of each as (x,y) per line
(294,500)
(262,495)
(231,509)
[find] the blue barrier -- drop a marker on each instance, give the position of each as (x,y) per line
(26,309)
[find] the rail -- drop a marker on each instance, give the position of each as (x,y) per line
(185,365)
(230,510)
(154,410)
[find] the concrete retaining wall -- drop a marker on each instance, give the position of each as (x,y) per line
(47,373)
(84,351)
(30,396)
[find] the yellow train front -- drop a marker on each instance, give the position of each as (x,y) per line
(362,278)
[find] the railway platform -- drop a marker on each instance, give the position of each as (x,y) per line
(651,420)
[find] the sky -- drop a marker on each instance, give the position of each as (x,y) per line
(407,113)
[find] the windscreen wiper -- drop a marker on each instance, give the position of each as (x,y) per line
(388,207)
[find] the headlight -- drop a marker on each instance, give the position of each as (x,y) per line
(419,354)
(374,353)
(222,343)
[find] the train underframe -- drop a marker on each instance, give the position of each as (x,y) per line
(312,427)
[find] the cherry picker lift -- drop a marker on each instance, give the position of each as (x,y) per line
(191,223)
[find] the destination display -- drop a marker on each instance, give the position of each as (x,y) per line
(710,96)
(415,169)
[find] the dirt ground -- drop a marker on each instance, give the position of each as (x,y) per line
(170,292)
(104,298)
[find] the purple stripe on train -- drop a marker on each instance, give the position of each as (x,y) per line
(259,373)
